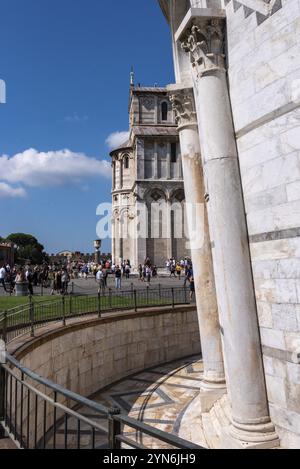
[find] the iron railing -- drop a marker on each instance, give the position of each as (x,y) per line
(29,317)
(37,414)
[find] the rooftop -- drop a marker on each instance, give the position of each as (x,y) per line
(148,89)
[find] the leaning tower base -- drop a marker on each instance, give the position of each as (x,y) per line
(213,429)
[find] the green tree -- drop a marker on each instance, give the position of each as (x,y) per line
(28,248)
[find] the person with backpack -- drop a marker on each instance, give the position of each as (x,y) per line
(127,271)
(118,278)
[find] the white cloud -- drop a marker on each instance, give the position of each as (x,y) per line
(8,191)
(116,139)
(39,169)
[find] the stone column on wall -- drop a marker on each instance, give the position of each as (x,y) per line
(213,384)
(169,230)
(168,160)
(155,172)
(204,41)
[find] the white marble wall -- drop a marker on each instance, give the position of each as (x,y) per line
(264,79)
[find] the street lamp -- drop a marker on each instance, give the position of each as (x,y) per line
(97,246)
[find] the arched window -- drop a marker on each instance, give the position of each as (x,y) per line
(126,162)
(164,111)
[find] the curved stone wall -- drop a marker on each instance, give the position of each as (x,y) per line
(87,356)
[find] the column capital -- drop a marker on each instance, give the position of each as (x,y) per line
(204,41)
(183,105)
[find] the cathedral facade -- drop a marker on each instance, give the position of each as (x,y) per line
(148,201)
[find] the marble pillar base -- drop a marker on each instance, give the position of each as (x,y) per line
(261,436)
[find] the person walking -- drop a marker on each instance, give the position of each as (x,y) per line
(192,288)
(100,280)
(65,282)
(118,278)
(105,275)
(29,278)
(3,277)
(127,271)
(178,270)
(140,272)
(58,282)
(148,274)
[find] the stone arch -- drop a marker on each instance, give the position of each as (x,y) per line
(177,195)
(154,194)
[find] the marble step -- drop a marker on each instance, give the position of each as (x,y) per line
(210,432)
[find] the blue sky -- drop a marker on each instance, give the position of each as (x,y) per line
(66,65)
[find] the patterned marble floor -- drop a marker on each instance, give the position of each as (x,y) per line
(158,397)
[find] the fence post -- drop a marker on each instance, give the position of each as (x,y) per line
(159,291)
(4,327)
(71,304)
(31,314)
(64,310)
(173,299)
(147,295)
(135,301)
(114,429)
(110,298)
(99,304)
(132,291)
(2,386)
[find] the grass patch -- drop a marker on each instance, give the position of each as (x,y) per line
(9,302)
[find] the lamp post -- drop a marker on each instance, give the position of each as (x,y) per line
(97,246)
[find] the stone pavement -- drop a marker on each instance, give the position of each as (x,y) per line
(90,286)
(158,397)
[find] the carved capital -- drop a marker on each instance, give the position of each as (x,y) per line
(205,44)
(183,105)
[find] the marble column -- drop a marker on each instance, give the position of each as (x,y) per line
(213,385)
(168,160)
(170,231)
(155,172)
(204,41)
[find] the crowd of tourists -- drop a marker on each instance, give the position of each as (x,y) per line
(102,271)
(58,278)
(180,268)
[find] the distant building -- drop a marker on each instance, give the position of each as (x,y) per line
(67,254)
(147,173)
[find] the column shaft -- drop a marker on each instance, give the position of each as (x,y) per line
(235,290)
(201,256)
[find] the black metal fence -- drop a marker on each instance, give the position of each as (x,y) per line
(37,313)
(37,414)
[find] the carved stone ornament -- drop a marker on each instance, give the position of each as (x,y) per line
(205,44)
(183,105)
(131,215)
(148,103)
